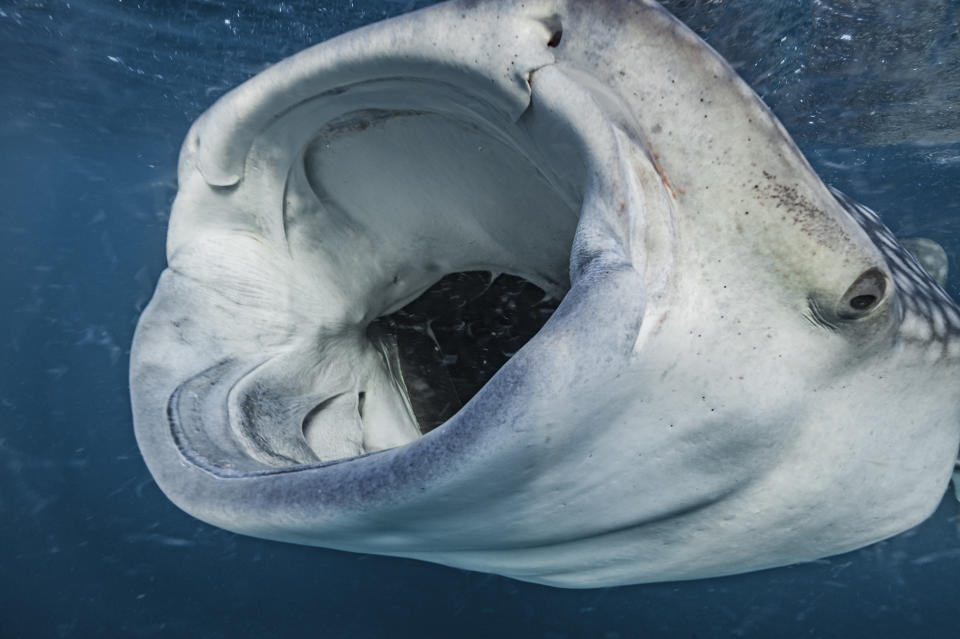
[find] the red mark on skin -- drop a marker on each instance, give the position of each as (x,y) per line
(663,175)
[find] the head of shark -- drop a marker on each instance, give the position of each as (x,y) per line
(746,369)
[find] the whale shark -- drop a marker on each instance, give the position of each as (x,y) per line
(743,369)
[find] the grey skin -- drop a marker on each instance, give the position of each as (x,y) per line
(746,370)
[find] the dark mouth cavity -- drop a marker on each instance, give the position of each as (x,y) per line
(453,338)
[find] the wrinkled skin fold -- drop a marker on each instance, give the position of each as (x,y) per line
(746,369)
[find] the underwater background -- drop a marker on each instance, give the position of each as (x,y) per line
(95,99)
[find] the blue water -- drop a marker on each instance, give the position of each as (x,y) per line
(95,98)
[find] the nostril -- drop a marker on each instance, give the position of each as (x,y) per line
(554,27)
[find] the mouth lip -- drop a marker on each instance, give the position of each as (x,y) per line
(224,470)
(330,67)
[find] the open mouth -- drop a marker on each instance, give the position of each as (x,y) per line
(413,251)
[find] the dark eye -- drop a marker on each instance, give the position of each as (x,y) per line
(864,295)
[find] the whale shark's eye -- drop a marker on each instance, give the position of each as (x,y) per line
(864,295)
(863,302)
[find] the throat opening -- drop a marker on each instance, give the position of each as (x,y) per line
(452,339)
